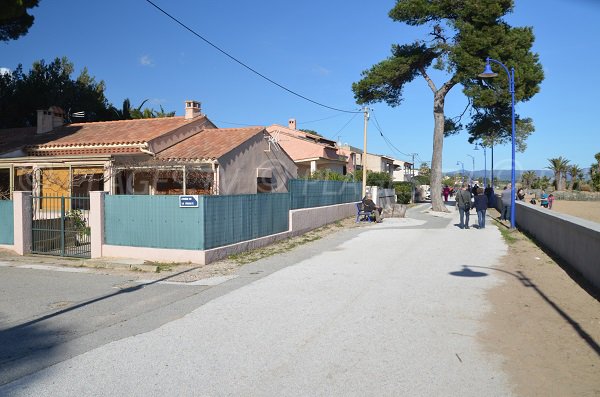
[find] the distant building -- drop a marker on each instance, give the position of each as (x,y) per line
(310,152)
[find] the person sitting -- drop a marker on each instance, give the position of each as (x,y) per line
(369,205)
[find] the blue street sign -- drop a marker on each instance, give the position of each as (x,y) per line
(188,201)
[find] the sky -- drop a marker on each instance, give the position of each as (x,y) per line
(316,49)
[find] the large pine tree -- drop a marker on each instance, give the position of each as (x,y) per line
(464,33)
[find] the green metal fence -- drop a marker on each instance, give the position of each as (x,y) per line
(6,222)
(309,193)
(153,221)
(232,219)
(159,222)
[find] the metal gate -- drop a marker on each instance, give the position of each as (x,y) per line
(60,226)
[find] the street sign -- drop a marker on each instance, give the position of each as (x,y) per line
(188,201)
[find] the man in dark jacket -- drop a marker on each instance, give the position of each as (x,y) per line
(369,205)
(463,202)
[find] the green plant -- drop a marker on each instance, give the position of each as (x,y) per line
(329,175)
(403,192)
(381,179)
(77,221)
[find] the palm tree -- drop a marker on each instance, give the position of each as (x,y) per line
(574,171)
(595,173)
(528,178)
(127,112)
(559,167)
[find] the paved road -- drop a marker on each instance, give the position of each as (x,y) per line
(390,309)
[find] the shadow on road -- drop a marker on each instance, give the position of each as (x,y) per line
(528,283)
(25,347)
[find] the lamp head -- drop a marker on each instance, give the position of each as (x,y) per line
(488,72)
(476,147)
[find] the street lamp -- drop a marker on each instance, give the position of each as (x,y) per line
(472,170)
(484,163)
(463,171)
(488,73)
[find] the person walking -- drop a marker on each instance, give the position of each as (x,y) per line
(446,192)
(506,202)
(481,204)
(463,202)
(489,192)
(550,201)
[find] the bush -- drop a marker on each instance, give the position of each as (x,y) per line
(422,179)
(381,179)
(328,175)
(403,192)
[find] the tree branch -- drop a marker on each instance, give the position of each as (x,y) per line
(428,79)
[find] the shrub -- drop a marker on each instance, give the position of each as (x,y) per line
(381,179)
(329,175)
(403,192)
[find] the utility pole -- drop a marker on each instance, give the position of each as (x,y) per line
(413,163)
(364,156)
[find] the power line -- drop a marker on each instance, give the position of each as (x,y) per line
(243,64)
(387,141)
(325,118)
(228,122)
(345,125)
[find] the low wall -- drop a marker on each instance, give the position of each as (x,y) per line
(384,198)
(574,240)
(301,221)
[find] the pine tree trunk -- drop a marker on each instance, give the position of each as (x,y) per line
(437,203)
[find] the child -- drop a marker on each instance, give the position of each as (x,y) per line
(544,199)
(550,201)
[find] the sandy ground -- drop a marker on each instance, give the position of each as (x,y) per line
(545,325)
(589,210)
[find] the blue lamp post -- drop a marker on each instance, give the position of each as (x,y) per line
(488,73)
(472,170)
(485,184)
(463,170)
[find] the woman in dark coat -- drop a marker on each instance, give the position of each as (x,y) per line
(481,204)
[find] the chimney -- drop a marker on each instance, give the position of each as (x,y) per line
(192,109)
(48,120)
(292,124)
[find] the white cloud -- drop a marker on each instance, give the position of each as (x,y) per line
(5,71)
(145,60)
(321,71)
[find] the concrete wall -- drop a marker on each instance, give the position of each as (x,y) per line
(575,240)
(384,198)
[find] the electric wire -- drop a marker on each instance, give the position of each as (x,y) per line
(325,118)
(345,125)
(245,65)
(387,141)
(229,122)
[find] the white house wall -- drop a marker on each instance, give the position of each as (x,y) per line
(237,169)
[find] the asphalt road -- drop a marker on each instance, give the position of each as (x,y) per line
(390,309)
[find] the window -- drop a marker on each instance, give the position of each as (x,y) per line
(4,183)
(264,185)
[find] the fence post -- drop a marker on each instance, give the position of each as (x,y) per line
(22,222)
(96,223)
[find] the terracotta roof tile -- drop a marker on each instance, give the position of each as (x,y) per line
(209,144)
(15,138)
(115,132)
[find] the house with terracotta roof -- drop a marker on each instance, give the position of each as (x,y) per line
(172,155)
(310,152)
